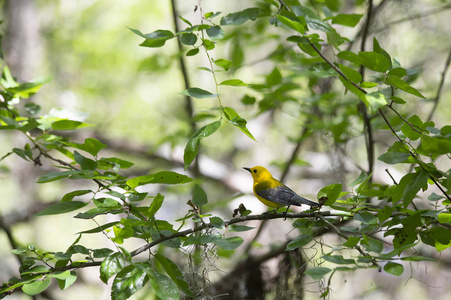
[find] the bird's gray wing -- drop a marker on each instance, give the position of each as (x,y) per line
(284,195)
(281,194)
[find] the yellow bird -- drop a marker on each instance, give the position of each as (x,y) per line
(274,193)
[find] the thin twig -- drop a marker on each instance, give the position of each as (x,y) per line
(403,119)
(440,86)
(345,236)
(389,174)
(188,101)
(368,130)
(413,17)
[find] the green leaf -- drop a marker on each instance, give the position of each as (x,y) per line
(384,214)
(69,196)
(199,196)
(374,61)
(68,281)
(351,241)
(113,163)
(101,253)
(371,244)
(223,63)
(239,228)
(106,203)
(274,78)
(351,74)
(354,90)
(248,100)
(36,287)
(185,20)
(24,153)
(209,45)
(217,222)
(331,192)
(300,241)
(99,228)
(61,208)
(350,20)
(127,282)
(436,144)
(375,100)
(359,179)
(367,85)
(198,93)
(417,124)
(237,121)
(25,90)
(192,52)
(215,33)
(393,268)
(90,145)
(173,271)
(350,56)
(241,17)
(402,85)
(393,158)
(164,177)
(85,163)
(442,238)
(111,265)
(32,108)
(233,82)
(444,218)
(154,39)
(293,24)
(156,204)
(317,273)
(188,38)
(55,176)
(419,258)
(230,243)
(399,72)
(338,259)
(378,49)
(192,147)
(164,287)
(415,184)
(97,211)
(366,218)
(68,125)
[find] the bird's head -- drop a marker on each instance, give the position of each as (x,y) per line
(259,173)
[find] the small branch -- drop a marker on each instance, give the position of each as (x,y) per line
(403,119)
(375,10)
(394,181)
(188,101)
(357,247)
(413,17)
(368,130)
(440,86)
(12,242)
(413,155)
(227,223)
(380,112)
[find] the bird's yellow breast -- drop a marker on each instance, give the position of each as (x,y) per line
(267,184)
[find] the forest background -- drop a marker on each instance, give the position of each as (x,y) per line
(346,100)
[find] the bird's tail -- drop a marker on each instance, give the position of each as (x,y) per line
(302,200)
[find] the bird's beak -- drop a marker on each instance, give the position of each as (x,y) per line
(247,169)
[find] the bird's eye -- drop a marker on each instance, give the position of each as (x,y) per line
(255,171)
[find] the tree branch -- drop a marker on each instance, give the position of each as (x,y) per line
(188,101)
(440,86)
(357,247)
(368,130)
